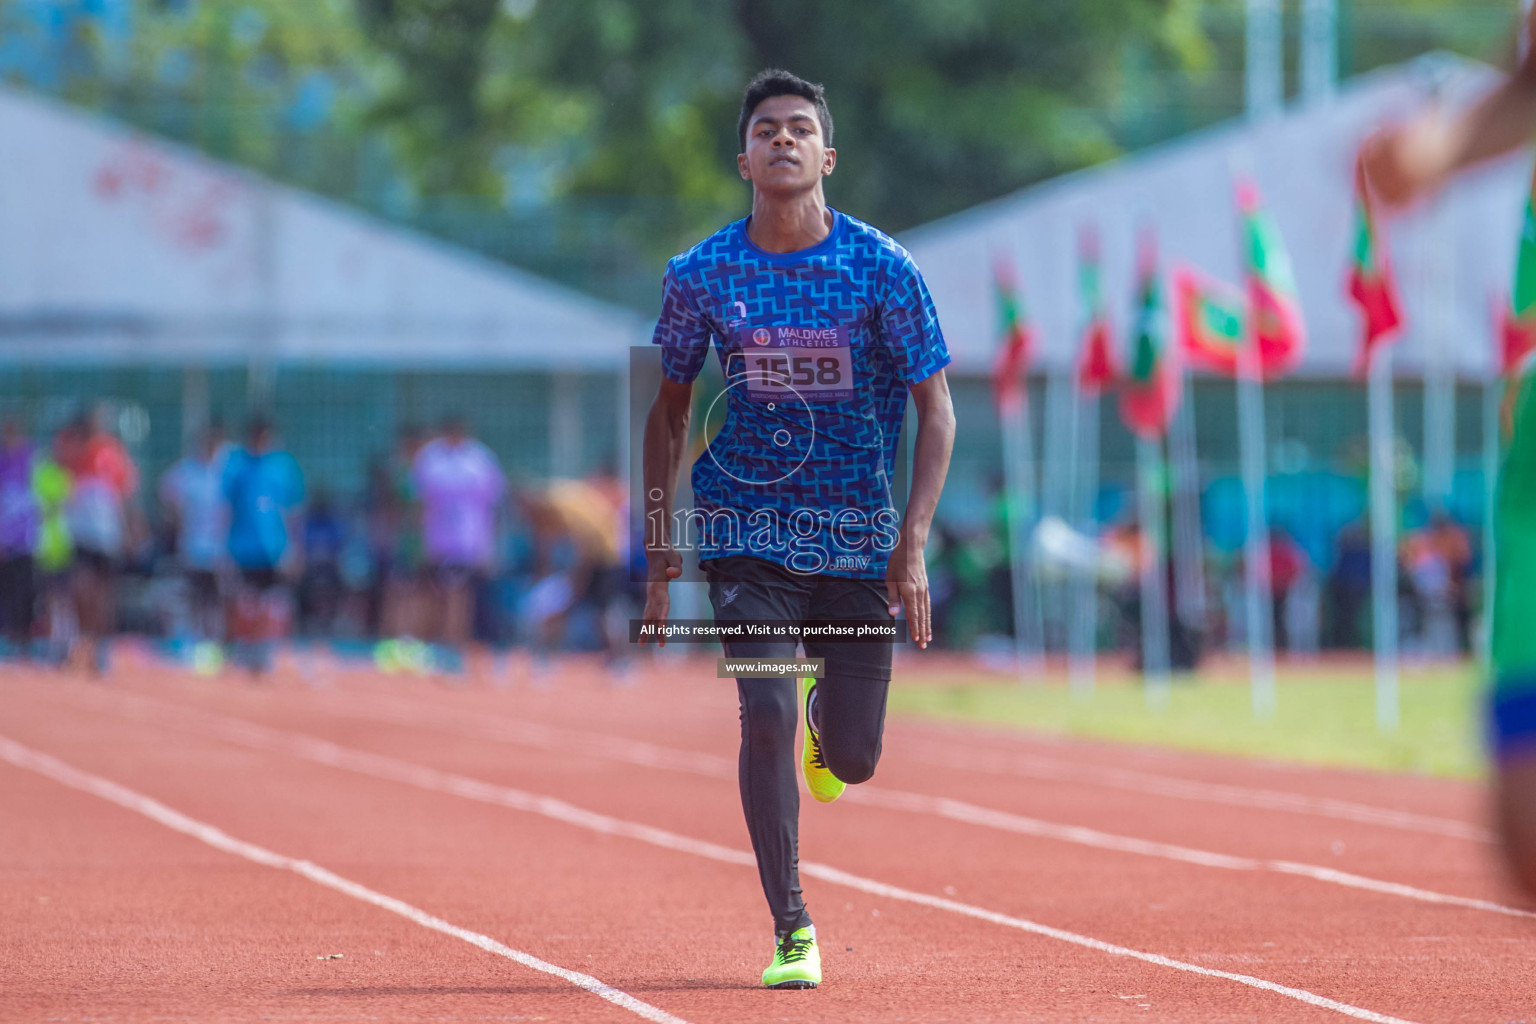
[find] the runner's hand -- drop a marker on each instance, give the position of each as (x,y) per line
(906,583)
(1405,162)
(666,564)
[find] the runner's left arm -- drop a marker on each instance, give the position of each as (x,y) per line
(907,578)
(910,325)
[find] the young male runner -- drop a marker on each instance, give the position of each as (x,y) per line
(823,326)
(1405,163)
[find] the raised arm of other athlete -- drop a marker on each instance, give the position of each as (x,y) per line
(1409,161)
(906,579)
(666,434)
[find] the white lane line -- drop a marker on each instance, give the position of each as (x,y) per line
(640,753)
(1054,770)
(957,810)
(58,771)
(393,769)
(545,737)
(827,874)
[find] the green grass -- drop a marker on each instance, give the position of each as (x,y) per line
(1324,715)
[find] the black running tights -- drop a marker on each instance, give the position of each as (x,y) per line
(851,717)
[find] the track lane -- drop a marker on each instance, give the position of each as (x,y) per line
(1009,976)
(1437,864)
(109,916)
(1006,861)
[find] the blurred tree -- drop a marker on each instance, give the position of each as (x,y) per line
(431,109)
(588,139)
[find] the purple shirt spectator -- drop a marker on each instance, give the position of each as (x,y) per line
(459,484)
(19,514)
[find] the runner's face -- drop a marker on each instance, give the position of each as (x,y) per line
(786,152)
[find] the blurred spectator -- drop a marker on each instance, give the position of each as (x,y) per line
(101,521)
(460,486)
(192,494)
(320,586)
(383,516)
(404,598)
(20,520)
(1349,588)
(1287,563)
(1450,538)
(264,488)
(579,560)
(1435,561)
(55,550)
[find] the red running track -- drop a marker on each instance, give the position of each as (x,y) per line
(982,876)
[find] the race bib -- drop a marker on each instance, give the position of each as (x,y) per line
(813,363)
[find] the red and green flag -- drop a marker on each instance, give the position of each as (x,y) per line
(1096,360)
(1370,278)
(1517,332)
(1210,320)
(1274,312)
(1152,383)
(1015,340)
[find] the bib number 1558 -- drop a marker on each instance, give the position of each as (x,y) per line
(800,371)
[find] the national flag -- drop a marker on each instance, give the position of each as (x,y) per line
(1209,320)
(1274,312)
(1015,339)
(1153,382)
(1096,360)
(1518,322)
(1370,278)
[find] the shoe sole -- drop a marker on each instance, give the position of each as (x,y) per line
(794,984)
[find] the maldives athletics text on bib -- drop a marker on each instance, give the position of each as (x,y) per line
(812,363)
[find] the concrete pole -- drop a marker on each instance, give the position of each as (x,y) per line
(565,425)
(1319,49)
(1265,66)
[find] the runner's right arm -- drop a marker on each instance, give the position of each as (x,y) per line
(666,435)
(684,336)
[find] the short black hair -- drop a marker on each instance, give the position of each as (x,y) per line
(778,82)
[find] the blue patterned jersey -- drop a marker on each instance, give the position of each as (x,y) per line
(818,348)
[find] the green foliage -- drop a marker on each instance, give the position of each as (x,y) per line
(589,139)
(939,103)
(225,74)
(432,109)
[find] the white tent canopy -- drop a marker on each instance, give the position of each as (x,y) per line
(118,248)
(1451,258)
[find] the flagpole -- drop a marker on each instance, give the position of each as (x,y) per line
(1258,598)
(1018,505)
(1154,591)
(1083,633)
(1383,539)
(1033,598)
(1493,401)
(1059,464)
(1437,245)
(1188,537)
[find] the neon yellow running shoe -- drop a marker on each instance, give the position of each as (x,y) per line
(796,961)
(824,786)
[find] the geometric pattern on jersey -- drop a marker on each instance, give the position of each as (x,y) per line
(803,480)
